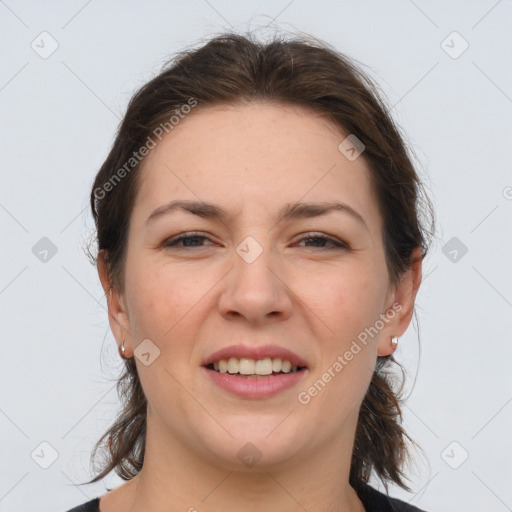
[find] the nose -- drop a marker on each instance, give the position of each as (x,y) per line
(255,289)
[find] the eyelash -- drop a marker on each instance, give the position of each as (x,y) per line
(172,242)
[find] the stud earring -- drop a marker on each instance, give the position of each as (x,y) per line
(394,341)
(122,351)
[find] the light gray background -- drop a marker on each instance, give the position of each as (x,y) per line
(59,361)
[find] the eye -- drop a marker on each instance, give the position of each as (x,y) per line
(336,244)
(193,240)
(188,239)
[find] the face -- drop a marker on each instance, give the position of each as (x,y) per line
(257,284)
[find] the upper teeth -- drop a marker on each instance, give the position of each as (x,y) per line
(246,366)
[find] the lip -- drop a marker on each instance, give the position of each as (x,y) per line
(256,353)
(255,388)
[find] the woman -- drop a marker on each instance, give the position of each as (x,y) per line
(260,245)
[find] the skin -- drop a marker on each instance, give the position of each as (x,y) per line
(311,298)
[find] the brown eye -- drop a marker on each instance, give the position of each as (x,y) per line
(334,243)
(190,240)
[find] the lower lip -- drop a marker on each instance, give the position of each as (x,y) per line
(255,388)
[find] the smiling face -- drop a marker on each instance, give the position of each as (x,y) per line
(255,272)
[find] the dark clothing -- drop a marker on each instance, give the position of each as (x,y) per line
(373,501)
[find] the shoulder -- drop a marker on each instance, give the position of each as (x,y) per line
(376,501)
(90,506)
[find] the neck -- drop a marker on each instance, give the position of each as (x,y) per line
(176,479)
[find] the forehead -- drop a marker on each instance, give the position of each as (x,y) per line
(255,155)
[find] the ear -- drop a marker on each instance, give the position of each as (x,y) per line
(401,302)
(117,312)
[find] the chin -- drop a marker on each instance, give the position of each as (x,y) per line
(256,444)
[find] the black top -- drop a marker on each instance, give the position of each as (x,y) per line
(373,501)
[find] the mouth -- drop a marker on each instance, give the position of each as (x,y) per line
(247,368)
(252,372)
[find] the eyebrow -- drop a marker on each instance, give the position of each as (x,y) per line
(289,211)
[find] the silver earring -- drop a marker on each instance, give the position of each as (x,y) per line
(394,341)
(122,351)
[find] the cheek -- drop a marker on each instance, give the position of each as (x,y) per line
(347,299)
(161,309)
(351,303)
(160,298)
(360,302)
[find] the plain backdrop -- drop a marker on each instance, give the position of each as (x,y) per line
(68,70)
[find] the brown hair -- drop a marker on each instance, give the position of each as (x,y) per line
(302,71)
